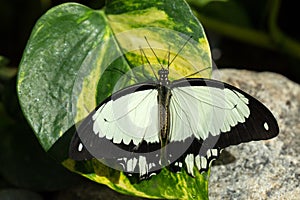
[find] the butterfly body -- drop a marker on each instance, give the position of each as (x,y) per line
(164,96)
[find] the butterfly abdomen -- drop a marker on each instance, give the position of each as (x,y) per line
(163,98)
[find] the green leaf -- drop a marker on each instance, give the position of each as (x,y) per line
(166,185)
(77,56)
(65,40)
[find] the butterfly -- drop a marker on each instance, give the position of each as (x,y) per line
(180,124)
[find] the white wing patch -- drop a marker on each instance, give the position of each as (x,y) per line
(132,117)
(137,165)
(200,110)
(202,163)
(189,161)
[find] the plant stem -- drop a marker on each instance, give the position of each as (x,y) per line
(282,41)
(274,40)
(247,35)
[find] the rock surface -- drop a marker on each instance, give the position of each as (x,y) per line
(264,169)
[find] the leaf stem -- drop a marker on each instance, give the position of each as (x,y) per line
(282,41)
(247,35)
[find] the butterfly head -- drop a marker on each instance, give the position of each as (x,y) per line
(163,77)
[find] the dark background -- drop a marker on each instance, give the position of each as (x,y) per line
(230,48)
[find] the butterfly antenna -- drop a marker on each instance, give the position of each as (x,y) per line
(180,50)
(143,69)
(169,53)
(121,72)
(201,70)
(149,63)
(153,52)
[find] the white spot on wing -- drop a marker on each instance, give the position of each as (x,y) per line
(151,165)
(152,174)
(266,126)
(180,164)
(197,161)
(80,147)
(122,162)
(208,153)
(189,161)
(131,163)
(143,167)
(214,152)
(203,162)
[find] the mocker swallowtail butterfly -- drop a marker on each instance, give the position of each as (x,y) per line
(180,124)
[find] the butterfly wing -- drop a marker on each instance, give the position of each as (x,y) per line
(122,132)
(209,115)
(205,117)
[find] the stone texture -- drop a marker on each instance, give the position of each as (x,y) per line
(263,169)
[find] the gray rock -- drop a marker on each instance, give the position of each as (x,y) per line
(263,169)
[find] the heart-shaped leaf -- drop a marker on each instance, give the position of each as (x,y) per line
(77,56)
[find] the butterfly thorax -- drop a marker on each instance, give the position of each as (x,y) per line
(164,95)
(163,77)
